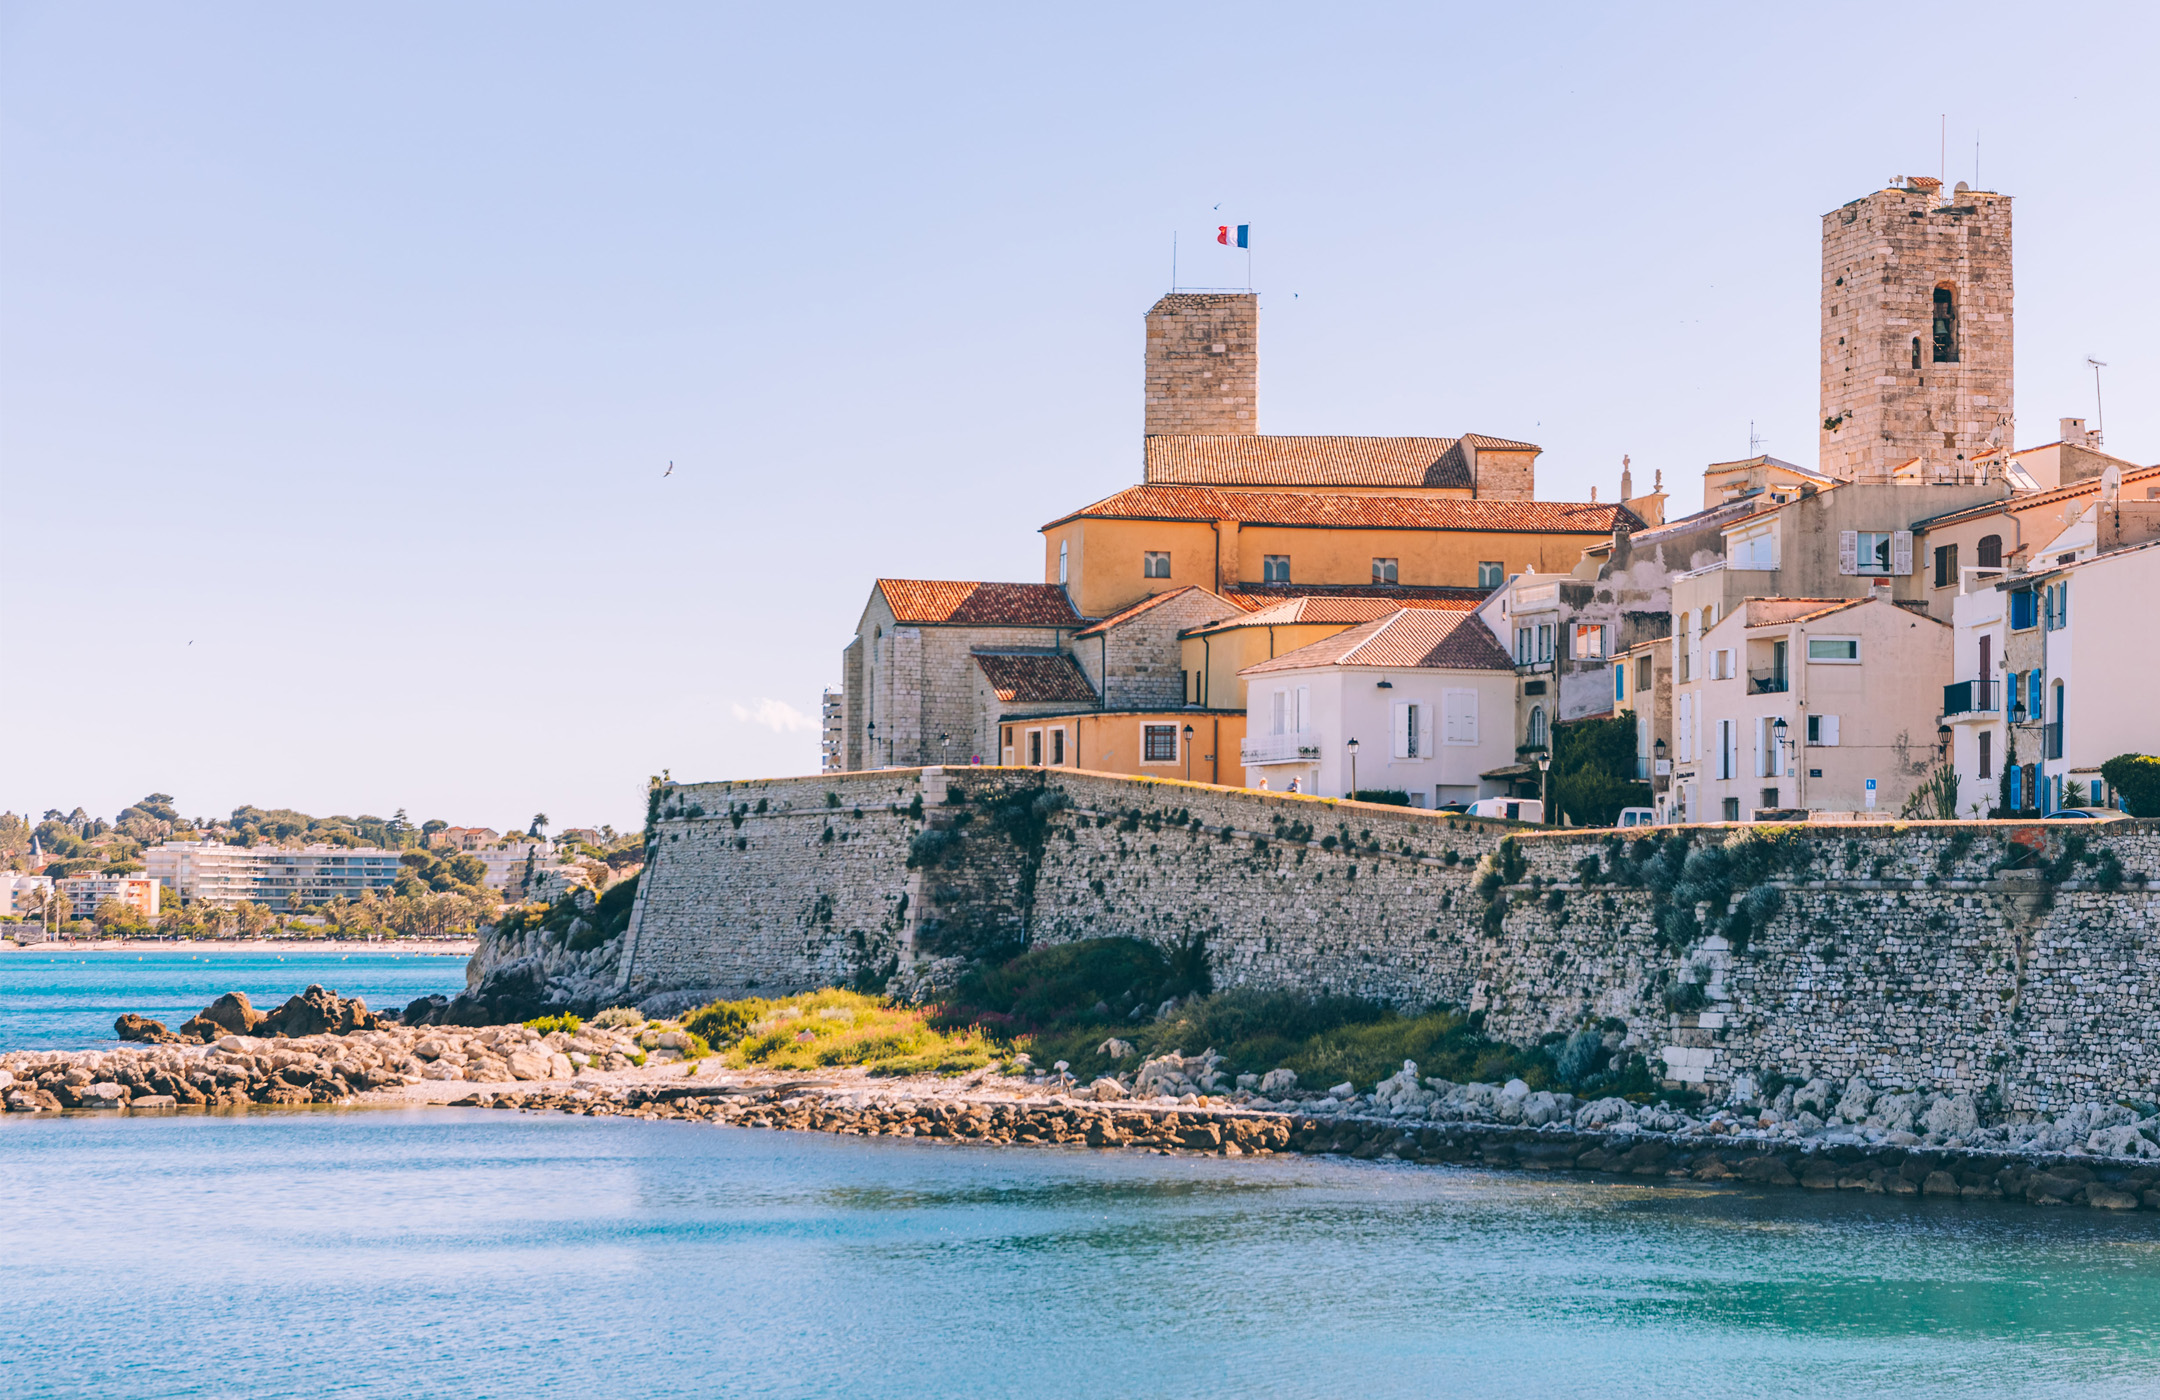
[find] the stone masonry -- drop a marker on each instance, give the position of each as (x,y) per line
(1203,364)
(1888,393)
(1906,954)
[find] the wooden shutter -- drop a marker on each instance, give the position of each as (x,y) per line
(1399,730)
(1829,731)
(1901,553)
(1848,551)
(1461,716)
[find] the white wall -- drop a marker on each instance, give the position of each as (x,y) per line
(1348,703)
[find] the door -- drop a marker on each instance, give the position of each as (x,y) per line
(1987,672)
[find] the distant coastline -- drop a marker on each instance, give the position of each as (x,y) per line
(432,947)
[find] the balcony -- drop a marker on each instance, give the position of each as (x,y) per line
(1975,698)
(1766,682)
(2051,740)
(1264,749)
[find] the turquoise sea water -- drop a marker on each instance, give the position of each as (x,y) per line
(61,999)
(477,1253)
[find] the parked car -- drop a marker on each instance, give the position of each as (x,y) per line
(1514,809)
(1637,816)
(2085,814)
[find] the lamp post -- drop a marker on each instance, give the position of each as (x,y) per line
(1778,730)
(1188,753)
(1544,766)
(1351,745)
(871,729)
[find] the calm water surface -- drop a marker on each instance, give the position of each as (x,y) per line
(57,999)
(477,1253)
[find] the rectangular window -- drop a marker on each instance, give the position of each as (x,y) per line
(1822,730)
(1728,749)
(1155,563)
(1490,573)
(1407,719)
(1589,640)
(1732,809)
(1874,551)
(1303,714)
(2023,612)
(1753,551)
(1687,728)
(1544,641)
(1275,568)
(1061,560)
(1833,649)
(1158,743)
(1057,748)
(1385,570)
(2034,685)
(1619,684)
(1643,675)
(1279,712)
(1524,642)
(1946,565)
(2058,606)
(1034,748)
(1459,716)
(1987,754)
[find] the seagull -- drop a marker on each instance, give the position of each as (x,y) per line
(669,472)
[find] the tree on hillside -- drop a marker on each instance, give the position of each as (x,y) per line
(539,825)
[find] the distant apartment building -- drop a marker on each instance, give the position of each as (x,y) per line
(86,892)
(466,838)
(277,876)
(580,836)
(506,864)
(23,895)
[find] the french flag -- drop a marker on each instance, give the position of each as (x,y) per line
(1233,236)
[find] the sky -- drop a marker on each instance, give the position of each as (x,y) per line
(344,349)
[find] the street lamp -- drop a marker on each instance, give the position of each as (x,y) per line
(1188,753)
(1544,765)
(1778,730)
(871,730)
(1351,745)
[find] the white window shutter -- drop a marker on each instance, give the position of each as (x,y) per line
(1304,708)
(1901,553)
(1848,551)
(1398,730)
(1829,731)
(1425,730)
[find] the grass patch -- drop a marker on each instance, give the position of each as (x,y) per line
(566,1023)
(827,1029)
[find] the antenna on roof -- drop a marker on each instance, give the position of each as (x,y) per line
(1173,260)
(1755,440)
(2099,410)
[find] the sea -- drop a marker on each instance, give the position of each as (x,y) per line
(54,997)
(484,1253)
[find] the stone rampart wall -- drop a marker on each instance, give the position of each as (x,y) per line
(1902,953)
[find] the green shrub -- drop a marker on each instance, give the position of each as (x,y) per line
(566,1023)
(2135,779)
(722,1023)
(619,1018)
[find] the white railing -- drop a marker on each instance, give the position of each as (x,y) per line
(1279,748)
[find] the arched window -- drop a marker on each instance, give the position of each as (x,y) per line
(1916,352)
(1945,326)
(1991,551)
(1537,727)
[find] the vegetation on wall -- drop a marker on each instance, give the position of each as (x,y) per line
(2135,778)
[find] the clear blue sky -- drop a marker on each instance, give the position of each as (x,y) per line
(342,348)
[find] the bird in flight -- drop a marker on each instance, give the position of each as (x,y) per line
(669,472)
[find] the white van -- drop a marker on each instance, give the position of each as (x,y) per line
(1637,816)
(1514,809)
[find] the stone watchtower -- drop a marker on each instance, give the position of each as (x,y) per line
(1916,331)
(1203,364)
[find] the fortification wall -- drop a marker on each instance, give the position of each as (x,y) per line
(1905,953)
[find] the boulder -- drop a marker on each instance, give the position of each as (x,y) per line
(531,1064)
(318,1011)
(1853,1106)
(1106,1088)
(2122,1140)
(513,992)
(230,1014)
(133,1027)
(1277,1082)
(1952,1115)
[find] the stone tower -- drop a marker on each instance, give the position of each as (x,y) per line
(1203,364)
(1916,331)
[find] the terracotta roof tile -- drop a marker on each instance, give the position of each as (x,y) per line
(1149,604)
(2090,486)
(1275,460)
(1325,610)
(1354,512)
(1410,639)
(1034,678)
(956,603)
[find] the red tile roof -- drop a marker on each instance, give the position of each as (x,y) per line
(1273,460)
(2090,486)
(1202,503)
(955,603)
(1409,639)
(1339,611)
(1034,678)
(1149,604)
(1401,595)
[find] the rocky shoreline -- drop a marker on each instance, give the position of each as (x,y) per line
(638,1072)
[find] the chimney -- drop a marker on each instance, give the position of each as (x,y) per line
(1203,365)
(2073,432)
